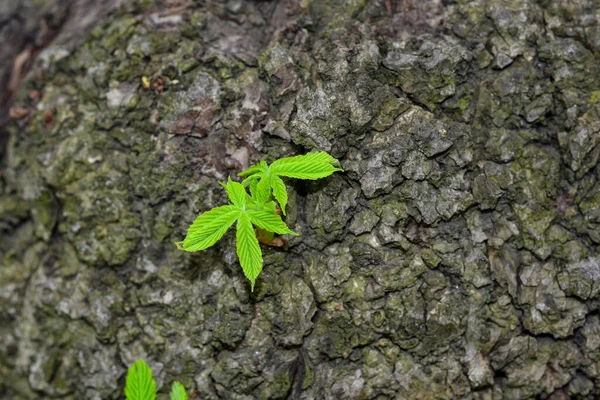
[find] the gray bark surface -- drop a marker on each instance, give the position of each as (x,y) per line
(27,27)
(457,257)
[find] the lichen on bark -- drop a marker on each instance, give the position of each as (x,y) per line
(457,256)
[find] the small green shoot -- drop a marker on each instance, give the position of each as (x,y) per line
(309,166)
(139,384)
(178,392)
(256,209)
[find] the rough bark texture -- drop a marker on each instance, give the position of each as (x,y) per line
(457,257)
(27,26)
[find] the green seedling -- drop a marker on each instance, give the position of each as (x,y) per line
(309,166)
(139,384)
(256,209)
(178,392)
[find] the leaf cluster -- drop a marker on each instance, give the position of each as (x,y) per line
(139,384)
(257,208)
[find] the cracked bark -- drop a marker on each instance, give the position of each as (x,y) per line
(457,257)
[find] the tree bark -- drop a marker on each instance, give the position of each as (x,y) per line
(27,27)
(456,257)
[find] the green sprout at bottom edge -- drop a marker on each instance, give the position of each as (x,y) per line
(139,384)
(258,209)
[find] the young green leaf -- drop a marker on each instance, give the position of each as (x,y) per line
(269,206)
(260,211)
(209,227)
(279,192)
(248,249)
(308,158)
(178,392)
(256,209)
(236,193)
(139,384)
(304,170)
(252,170)
(308,166)
(263,190)
(251,180)
(270,222)
(261,167)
